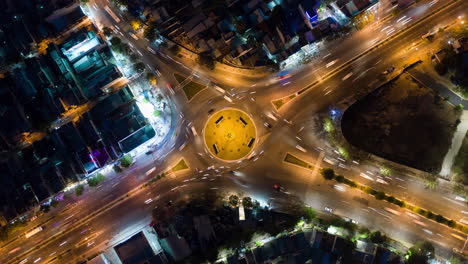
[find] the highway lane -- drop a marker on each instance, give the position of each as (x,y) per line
(95,198)
(318,195)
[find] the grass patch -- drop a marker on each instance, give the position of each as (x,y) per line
(191,89)
(296,161)
(278,103)
(181,165)
(179,78)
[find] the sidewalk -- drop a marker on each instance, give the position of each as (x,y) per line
(426,75)
(429,78)
(457,141)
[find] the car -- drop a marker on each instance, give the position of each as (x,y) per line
(388,71)
(278,188)
(149,152)
(328,209)
(267,124)
(210,111)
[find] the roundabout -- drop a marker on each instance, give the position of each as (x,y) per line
(230,134)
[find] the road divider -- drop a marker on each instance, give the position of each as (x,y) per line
(181,165)
(289,158)
(278,103)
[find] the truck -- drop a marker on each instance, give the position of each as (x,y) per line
(34,231)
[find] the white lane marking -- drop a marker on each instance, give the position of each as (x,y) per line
(400,19)
(347,76)
(330,63)
(453,201)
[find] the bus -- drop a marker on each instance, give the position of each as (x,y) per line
(34,231)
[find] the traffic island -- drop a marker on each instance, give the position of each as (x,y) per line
(181,165)
(278,103)
(289,158)
(230,134)
(190,88)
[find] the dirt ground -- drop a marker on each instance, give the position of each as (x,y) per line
(403,122)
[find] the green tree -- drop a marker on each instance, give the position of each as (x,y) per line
(309,214)
(459,188)
(94,181)
(247,202)
(380,195)
(150,32)
(206,59)
(126,161)
(328,173)
(431,183)
(115,41)
(420,253)
(234,200)
(45,208)
(175,49)
(54,203)
(340,178)
(139,67)
(3,233)
(240,25)
(455,260)
(117,168)
(133,57)
(377,237)
(107,31)
(364,232)
(79,190)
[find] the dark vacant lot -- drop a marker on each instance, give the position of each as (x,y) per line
(403,122)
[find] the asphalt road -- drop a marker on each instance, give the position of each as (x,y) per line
(259,174)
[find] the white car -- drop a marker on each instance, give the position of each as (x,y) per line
(328,209)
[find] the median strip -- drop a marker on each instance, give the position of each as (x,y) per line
(289,158)
(278,103)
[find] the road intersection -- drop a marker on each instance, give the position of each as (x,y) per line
(292,125)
